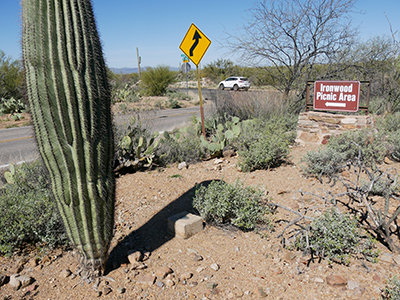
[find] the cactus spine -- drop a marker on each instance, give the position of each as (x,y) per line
(69,97)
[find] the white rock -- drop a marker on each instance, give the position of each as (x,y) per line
(214,266)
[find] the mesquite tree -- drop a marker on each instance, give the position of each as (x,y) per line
(70,102)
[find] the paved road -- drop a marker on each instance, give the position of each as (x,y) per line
(18,144)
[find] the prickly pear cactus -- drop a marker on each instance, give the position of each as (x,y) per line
(70,101)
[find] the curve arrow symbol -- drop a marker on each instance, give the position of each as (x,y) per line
(196,37)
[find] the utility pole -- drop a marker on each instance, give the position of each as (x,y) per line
(139,60)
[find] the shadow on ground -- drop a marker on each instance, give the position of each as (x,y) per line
(153,234)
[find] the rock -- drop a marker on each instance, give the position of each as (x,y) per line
(396,259)
(289,257)
(33,263)
(211,285)
(65,273)
(162,272)
(352,285)
(186,276)
(170,282)
(121,290)
(184,225)
(200,269)
(145,279)
(16,269)
(218,161)
(214,266)
(106,290)
(32,287)
(134,256)
(228,153)
(197,257)
(182,165)
(3,279)
(14,282)
(160,284)
(260,292)
(386,257)
(388,161)
(336,280)
(318,280)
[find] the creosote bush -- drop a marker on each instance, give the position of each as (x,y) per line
(264,144)
(332,158)
(336,236)
(223,203)
(28,213)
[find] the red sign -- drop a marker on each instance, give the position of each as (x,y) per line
(337,95)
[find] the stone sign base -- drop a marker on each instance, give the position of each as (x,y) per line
(317,127)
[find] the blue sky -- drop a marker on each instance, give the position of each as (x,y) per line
(157,27)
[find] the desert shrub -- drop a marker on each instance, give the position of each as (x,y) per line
(392,289)
(156,80)
(11,106)
(28,213)
(224,203)
(179,146)
(11,77)
(172,103)
(264,144)
(176,95)
(336,236)
(347,146)
(249,105)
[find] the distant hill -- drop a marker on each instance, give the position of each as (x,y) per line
(134,70)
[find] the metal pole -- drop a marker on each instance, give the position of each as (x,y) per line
(201,102)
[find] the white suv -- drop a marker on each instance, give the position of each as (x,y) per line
(235,83)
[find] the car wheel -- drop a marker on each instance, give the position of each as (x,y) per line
(235,87)
(246,89)
(221,87)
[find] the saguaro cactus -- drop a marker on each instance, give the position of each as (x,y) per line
(70,101)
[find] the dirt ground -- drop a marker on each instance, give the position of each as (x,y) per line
(217,263)
(213,264)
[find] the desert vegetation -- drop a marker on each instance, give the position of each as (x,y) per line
(258,126)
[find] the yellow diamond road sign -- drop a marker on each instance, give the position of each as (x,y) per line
(195,44)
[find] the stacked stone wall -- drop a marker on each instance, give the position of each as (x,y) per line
(317,127)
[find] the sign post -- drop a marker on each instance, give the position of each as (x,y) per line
(186,69)
(337,95)
(194,45)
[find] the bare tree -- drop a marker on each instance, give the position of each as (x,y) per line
(290,36)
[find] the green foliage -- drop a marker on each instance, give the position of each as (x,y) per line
(172,103)
(392,289)
(264,144)
(332,158)
(11,106)
(156,80)
(179,146)
(125,94)
(10,175)
(224,203)
(136,147)
(336,236)
(220,135)
(11,77)
(28,214)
